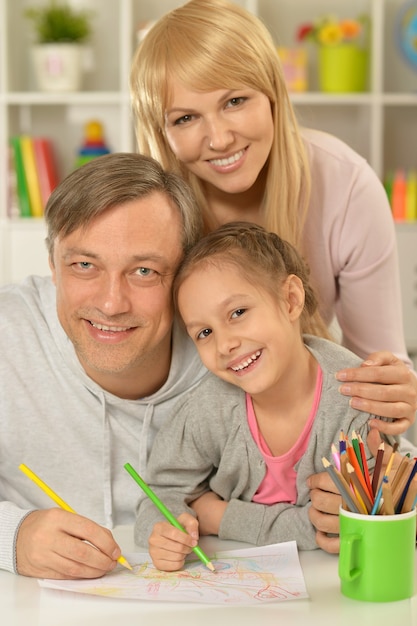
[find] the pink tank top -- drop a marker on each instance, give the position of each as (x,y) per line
(279,483)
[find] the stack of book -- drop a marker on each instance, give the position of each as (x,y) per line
(32,175)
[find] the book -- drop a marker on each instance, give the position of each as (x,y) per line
(46,167)
(13,209)
(22,188)
(32,179)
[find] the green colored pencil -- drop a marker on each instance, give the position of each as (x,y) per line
(166,513)
(356,447)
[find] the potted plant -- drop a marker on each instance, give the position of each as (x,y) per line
(61,32)
(343,46)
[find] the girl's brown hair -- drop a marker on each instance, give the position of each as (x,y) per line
(263,258)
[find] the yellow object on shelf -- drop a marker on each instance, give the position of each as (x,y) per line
(294,65)
(411,197)
(94,144)
(343,68)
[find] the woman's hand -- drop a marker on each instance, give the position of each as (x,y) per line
(383,385)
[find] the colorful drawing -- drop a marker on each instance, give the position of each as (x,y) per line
(250,576)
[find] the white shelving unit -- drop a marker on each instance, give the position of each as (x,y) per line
(62,116)
(380,123)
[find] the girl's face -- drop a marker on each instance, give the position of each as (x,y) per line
(224,137)
(243,334)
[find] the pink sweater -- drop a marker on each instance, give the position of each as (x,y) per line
(351,247)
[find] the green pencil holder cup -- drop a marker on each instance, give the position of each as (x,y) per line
(377,556)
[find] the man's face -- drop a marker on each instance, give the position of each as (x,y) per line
(113,281)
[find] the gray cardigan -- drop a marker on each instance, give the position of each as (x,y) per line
(207,445)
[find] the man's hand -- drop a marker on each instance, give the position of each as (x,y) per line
(326,500)
(57,544)
(383,385)
(324,511)
(373,440)
(168,546)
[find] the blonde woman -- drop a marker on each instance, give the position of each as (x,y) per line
(210,103)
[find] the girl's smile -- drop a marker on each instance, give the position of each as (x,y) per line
(245,364)
(243,333)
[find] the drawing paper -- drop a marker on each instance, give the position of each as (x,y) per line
(249,576)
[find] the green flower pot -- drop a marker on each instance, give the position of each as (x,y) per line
(342,68)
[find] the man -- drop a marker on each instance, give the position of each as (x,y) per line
(90,364)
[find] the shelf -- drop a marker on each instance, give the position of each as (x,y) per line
(379,123)
(65,99)
(368,98)
(324,99)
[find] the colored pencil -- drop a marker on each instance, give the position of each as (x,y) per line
(400,484)
(343,470)
(378,496)
(362,505)
(355,446)
(166,512)
(336,456)
(359,488)
(388,505)
(403,495)
(410,499)
(403,468)
(365,464)
(342,442)
(378,466)
(344,460)
(59,501)
(342,486)
(391,460)
(355,463)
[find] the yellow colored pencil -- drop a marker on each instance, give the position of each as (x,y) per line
(59,501)
(359,490)
(391,460)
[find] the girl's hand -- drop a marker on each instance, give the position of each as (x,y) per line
(209,509)
(168,546)
(383,385)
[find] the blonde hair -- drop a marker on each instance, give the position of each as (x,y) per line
(262,258)
(208,45)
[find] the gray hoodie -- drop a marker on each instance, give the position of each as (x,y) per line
(64,426)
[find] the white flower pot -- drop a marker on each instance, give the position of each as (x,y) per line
(58,66)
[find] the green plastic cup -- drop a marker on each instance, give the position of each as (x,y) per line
(377,556)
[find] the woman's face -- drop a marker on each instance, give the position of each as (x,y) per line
(224,137)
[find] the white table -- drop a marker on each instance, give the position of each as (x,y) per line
(24,603)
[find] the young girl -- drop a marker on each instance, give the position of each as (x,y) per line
(211,104)
(238,450)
